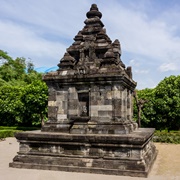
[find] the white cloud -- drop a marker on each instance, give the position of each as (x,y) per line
(61,18)
(141,71)
(134,62)
(23,41)
(139,35)
(168,67)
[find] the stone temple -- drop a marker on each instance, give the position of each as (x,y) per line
(90,127)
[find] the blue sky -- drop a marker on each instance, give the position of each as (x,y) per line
(148,30)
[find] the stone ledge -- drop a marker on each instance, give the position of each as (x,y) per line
(137,137)
(133,173)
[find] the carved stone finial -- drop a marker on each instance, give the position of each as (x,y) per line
(94,12)
(129,71)
(67,62)
(117,47)
(109,58)
(78,37)
(109,54)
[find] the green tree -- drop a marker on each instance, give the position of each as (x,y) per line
(4,57)
(167,96)
(161,109)
(25,106)
(18,71)
(35,103)
(11,106)
(144,112)
(23,94)
(10,69)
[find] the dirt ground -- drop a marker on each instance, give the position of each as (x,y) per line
(166,166)
(168,160)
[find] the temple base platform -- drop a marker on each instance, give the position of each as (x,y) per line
(130,154)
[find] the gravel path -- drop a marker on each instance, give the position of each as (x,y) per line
(166,167)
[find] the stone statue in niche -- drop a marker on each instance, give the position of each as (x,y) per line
(92,54)
(84,104)
(84,109)
(82,67)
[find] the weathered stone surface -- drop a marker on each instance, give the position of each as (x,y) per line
(131,154)
(90,126)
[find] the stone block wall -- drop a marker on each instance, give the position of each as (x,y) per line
(104,103)
(92,102)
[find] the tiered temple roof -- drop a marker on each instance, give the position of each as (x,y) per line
(93,51)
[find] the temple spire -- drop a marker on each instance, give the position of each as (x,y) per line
(92,50)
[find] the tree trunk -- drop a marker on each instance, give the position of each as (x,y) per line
(139,103)
(139,116)
(42,120)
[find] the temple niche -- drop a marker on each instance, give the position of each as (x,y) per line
(90,110)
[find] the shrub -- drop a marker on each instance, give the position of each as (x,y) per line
(7,133)
(167,137)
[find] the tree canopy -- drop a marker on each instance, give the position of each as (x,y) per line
(23,94)
(162,109)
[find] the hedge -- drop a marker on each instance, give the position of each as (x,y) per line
(167,137)
(6,131)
